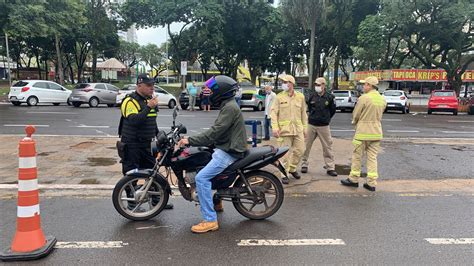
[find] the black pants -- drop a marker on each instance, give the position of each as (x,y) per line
(137,156)
(267,125)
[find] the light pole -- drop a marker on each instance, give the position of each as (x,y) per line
(166,44)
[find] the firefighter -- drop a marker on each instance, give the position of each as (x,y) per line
(367,117)
(289,122)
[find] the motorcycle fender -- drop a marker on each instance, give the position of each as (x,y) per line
(147,173)
(269,160)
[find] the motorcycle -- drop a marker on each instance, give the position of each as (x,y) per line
(255,193)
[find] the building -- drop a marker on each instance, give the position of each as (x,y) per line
(131,34)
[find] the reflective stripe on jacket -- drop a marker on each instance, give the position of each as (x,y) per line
(367,116)
(288,114)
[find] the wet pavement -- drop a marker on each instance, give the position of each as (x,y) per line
(369,229)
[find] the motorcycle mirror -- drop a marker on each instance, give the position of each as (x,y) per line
(182,129)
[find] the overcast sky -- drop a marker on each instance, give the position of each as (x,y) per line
(158,35)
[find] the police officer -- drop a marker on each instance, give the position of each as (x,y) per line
(138,126)
(322,107)
(289,122)
(367,117)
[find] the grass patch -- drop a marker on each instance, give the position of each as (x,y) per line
(4,91)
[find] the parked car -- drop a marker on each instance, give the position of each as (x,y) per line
(397,100)
(443,101)
(470,109)
(346,99)
(33,92)
(94,94)
(253,99)
(164,98)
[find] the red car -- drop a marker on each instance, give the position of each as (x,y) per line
(443,101)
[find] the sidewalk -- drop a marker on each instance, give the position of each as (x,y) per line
(94,161)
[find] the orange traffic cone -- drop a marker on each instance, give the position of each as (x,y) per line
(29,242)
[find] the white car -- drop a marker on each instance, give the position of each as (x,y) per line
(346,99)
(397,100)
(164,98)
(33,92)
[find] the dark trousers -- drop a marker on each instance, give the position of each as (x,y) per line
(267,125)
(137,156)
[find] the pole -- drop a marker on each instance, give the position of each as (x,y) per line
(8,61)
(167,58)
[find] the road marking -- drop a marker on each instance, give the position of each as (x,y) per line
(62,186)
(205,128)
(68,120)
(460,121)
(160,115)
(12,125)
(62,113)
(343,130)
(91,244)
(291,242)
(457,132)
(450,241)
(392,120)
(403,131)
(153,227)
(69,136)
(84,126)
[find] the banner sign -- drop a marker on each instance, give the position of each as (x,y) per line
(430,75)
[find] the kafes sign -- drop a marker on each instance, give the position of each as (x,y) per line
(412,75)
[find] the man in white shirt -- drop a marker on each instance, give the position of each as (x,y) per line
(270,96)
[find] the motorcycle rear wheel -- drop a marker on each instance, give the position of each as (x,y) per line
(265,186)
(125,198)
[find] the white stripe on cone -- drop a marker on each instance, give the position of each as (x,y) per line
(290,242)
(27,162)
(91,244)
(450,241)
(28,185)
(28,211)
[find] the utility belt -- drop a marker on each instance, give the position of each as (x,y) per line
(123,147)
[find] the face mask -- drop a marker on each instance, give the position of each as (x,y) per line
(318,89)
(284,86)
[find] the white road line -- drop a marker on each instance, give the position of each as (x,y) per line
(61,113)
(68,120)
(84,126)
(460,121)
(403,131)
(392,120)
(91,244)
(450,241)
(63,186)
(12,125)
(153,227)
(457,132)
(205,128)
(291,242)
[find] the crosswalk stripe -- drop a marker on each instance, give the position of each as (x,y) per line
(291,242)
(450,241)
(91,244)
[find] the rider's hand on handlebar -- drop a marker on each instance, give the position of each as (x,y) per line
(183,142)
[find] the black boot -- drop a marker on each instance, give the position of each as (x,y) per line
(349,183)
(369,188)
(285,180)
(331,172)
(295,174)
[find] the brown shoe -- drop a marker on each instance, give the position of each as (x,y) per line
(219,207)
(204,227)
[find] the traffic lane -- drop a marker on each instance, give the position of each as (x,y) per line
(375,228)
(104,121)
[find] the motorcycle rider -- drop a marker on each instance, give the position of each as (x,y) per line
(228,136)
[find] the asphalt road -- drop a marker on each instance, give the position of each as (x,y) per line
(339,228)
(103,121)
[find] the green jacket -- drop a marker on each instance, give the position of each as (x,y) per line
(227,133)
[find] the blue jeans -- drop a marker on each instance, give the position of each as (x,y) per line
(220,161)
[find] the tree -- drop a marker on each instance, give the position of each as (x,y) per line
(153,56)
(128,53)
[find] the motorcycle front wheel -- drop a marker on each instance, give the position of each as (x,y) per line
(266,199)
(131,201)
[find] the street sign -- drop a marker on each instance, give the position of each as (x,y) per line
(184,68)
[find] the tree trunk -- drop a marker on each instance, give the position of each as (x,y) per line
(276,80)
(311,54)
(335,84)
(38,63)
(58,54)
(94,63)
(454,80)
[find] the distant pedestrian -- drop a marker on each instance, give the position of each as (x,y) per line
(367,117)
(269,97)
(205,102)
(238,96)
(322,107)
(289,123)
(192,91)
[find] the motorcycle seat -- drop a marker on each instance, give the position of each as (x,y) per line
(251,156)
